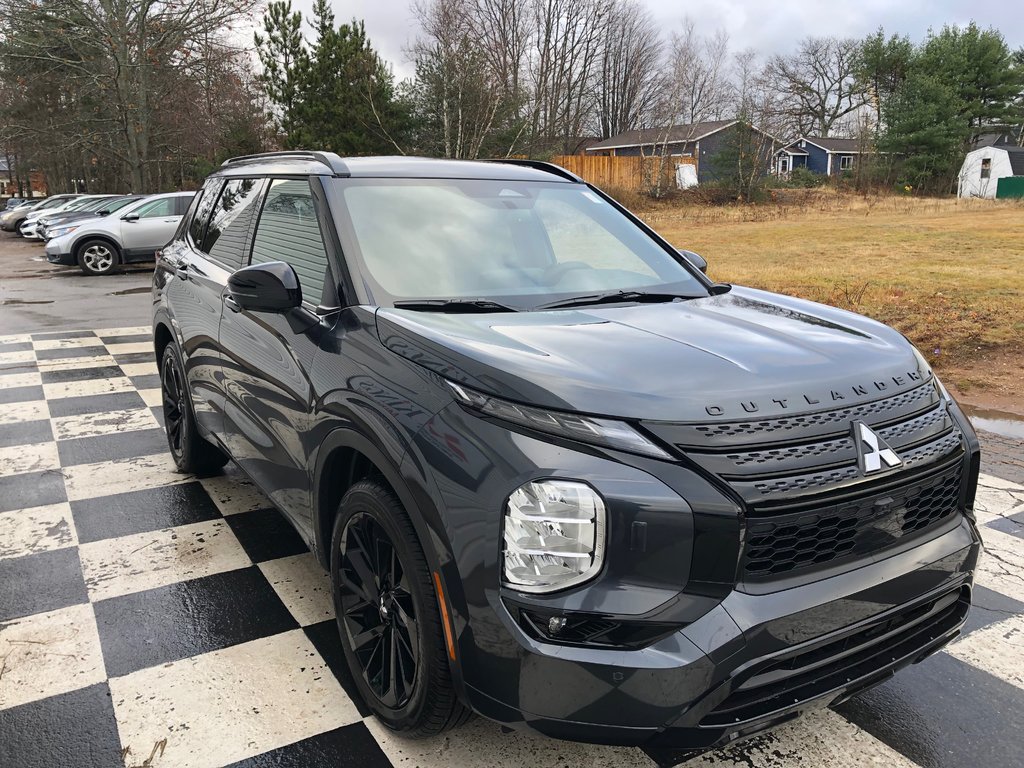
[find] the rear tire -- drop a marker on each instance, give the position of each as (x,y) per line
(190,451)
(98,257)
(388,617)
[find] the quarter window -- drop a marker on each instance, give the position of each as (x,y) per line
(207,197)
(288,231)
(230,222)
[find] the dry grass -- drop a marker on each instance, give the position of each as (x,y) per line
(947,273)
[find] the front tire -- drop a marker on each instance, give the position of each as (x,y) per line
(98,257)
(190,451)
(388,616)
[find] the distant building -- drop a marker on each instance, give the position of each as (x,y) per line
(829,157)
(985,166)
(700,141)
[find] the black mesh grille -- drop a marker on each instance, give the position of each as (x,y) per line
(787,544)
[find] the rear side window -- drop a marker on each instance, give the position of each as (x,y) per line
(208,196)
(230,221)
(181,204)
(288,231)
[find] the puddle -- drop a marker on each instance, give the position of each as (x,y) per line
(22,301)
(1000,422)
(128,291)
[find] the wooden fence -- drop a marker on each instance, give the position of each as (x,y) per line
(622,172)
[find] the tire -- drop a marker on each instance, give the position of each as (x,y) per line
(400,620)
(98,257)
(190,451)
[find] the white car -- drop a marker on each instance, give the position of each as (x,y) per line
(133,234)
(29,228)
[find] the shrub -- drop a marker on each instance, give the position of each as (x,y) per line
(803,178)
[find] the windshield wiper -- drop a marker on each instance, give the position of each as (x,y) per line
(614,296)
(454,305)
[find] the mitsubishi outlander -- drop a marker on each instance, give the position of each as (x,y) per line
(560,477)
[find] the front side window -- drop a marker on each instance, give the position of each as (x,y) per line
(521,243)
(228,229)
(288,231)
(157,209)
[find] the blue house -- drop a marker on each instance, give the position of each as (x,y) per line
(829,157)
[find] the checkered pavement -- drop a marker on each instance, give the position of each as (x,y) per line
(149,618)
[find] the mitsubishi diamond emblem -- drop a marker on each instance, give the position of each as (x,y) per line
(872,451)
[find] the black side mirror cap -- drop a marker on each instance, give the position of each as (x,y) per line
(271,287)
(694,258)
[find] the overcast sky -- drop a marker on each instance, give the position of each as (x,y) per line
(769,26)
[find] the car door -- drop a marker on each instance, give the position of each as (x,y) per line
(267,357)
(210,248)
(149,227)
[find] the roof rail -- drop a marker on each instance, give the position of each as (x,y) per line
(330,159)
(539,165)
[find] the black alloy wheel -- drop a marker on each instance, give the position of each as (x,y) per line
(191,452)
(378,611)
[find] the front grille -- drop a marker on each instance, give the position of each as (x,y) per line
(848,663)
(788,544)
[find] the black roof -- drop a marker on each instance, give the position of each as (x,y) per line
(320,163)
(1016,155)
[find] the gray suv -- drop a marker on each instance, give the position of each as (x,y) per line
(558,476)
(133,234)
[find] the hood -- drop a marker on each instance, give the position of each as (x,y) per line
(721,357)
(65,218)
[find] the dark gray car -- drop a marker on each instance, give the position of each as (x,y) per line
(558,476)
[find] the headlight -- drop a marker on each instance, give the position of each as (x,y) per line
(587,429)
(60,231)
(554,535)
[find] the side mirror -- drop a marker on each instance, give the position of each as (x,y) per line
(270,287)
(130,217)
(694,258)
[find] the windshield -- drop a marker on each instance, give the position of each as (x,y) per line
(520,243)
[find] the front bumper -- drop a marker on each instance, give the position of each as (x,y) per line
(753,663)
(58,251)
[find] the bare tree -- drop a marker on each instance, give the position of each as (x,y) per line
(699,87)
(819,82)
(629,80)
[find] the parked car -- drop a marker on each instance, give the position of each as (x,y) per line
(558,475)
(11,220)
(14,202)
(29,227)
(99,246)
(63,223)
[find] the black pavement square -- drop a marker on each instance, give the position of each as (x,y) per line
(149,381)
(351,746)
(1013,525)
(325,638)
(62,335)
(266,535)
(158,414)
(12,368)
(21,394)
(988,607)
(82,374)
(152,509)
(157,626)
(42,582)
(120,445)
(135,357)
(16,346)
(131,338)
(25,433)
(78,406)
(73,729)
(31,489)
(60,354)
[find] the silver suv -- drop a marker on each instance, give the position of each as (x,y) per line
(98,246)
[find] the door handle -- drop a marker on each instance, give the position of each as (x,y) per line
(231,303)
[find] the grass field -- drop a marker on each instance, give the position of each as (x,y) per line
(947,273)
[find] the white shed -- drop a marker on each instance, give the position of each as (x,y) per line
(983,168)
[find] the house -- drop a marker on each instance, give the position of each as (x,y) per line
(985,166)
(699,141)
(826,156)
